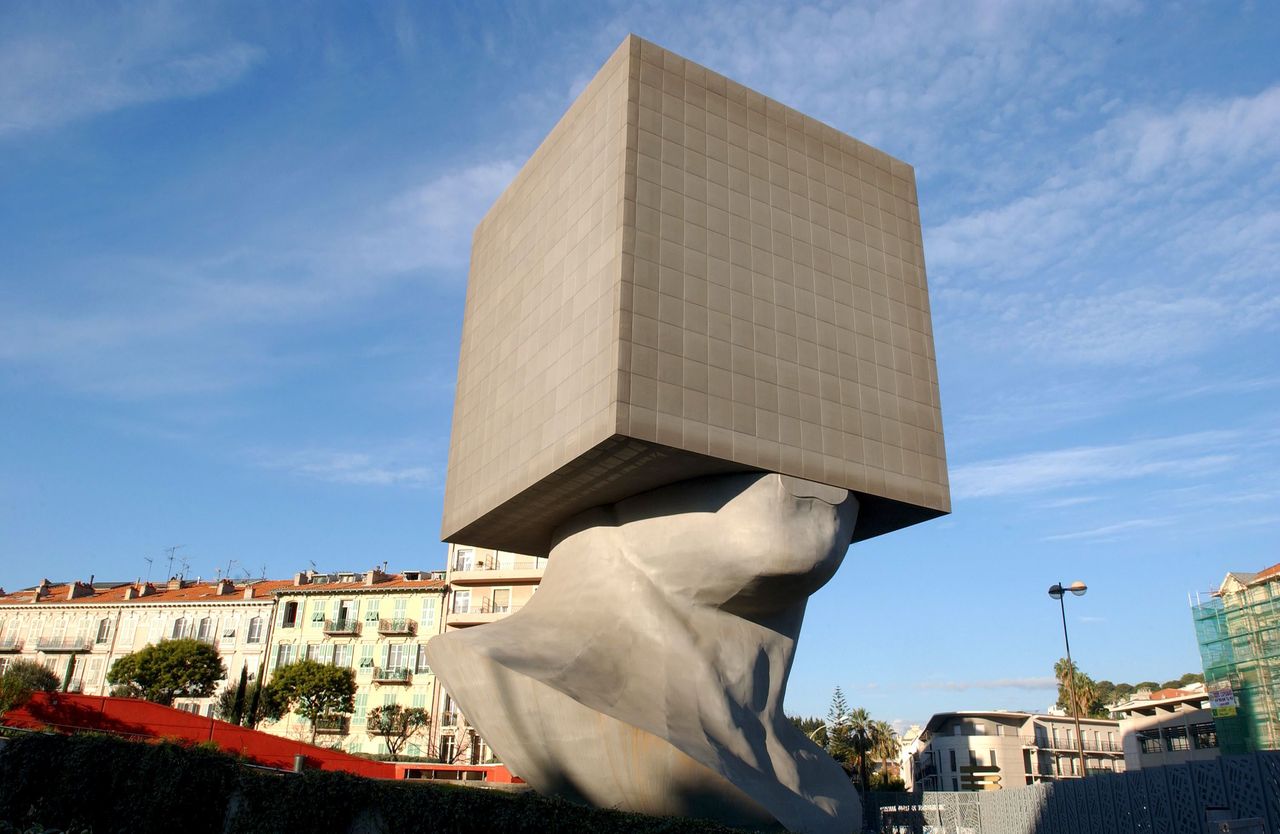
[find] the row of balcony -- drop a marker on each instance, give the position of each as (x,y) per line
(351,627)
(1090,746)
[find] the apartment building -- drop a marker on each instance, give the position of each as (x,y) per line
(1238,631)
(373,622)
(1169,726)
(483,585)
(990,750)
(79,629)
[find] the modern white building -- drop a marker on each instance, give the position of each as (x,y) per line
(1169,726)
(993,749)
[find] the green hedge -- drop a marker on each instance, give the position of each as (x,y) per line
(104,784)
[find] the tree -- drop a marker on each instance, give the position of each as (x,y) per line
(314,691)
(22,678)
(170,669)
(862,735)
(395,725)
(837,741)
(1089,702)
(885,746)
(237,703)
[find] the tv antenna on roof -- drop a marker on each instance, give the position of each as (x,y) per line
(172,551)
(148,560)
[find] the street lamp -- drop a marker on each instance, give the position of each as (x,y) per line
(1057,591)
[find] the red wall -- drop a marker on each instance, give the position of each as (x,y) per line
(143,719)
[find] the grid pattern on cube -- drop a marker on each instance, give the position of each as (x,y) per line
(775,311)
(537,367)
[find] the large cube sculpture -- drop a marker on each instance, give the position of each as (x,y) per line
(689,278)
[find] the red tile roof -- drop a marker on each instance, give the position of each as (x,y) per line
(206,592)
(1264,575)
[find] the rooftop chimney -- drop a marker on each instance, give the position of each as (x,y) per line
(175,583)
(375,576)
(146,590)
(225,587)
(300,578)
(78,589)
(248,592)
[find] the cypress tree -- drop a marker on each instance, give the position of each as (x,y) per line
(237,709)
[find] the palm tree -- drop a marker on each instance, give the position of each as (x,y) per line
(862,737)
(885,746)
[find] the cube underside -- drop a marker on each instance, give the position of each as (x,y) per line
(689,278)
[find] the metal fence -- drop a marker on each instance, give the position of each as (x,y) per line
(1241,793)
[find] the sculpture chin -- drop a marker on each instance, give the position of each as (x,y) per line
(648,672)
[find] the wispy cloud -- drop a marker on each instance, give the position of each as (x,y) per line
(1036,684)
(351,468)
(104,63)
(1180,455)
(1112,531)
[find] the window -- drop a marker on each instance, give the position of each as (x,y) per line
(1175,738)
(448,749)
(953,759)
(396,656)
(366,656)
(464,559)
(1149,740)
(398,609)
(255,630)
(362,701)
(461,602)
(423,667)
(104,630)
(371,613)
(955,784)
(389,699)
(1205,735)
(429,606)
(205,631)
(179,628)
(420,700)
(342,654)
(284,654)
(501,600)
(979,729)
(317,611)
(290,617)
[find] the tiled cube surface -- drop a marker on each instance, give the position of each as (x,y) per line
(537,373)
(769,312)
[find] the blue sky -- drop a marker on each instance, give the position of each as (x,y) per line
(233,251)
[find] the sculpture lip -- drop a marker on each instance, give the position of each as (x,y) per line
(800,488)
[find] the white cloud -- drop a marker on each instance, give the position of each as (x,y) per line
(1110,532)
(350,468)
(50,76)
(1181,455)
(996,683)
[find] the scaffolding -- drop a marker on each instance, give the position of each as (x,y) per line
(1238,631)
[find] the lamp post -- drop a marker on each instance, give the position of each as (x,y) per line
(1058,591)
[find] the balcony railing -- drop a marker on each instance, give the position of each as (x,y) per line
(402,675)
(400,626)
(332,726)
(449,719)
(341,627)
(64,644)
(1090,746)
(10,644)
(471,606)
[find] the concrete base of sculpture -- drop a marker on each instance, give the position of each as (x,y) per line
(648,672)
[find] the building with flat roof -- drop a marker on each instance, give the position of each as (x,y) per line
(1169,726)
(484,585)
(977,750)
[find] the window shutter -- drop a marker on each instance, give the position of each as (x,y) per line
(386,650)
(412,661)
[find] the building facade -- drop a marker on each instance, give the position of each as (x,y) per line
(78,630)
(374,623)
(1169,726)
(484,585)
(991,750)
(1238,631)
